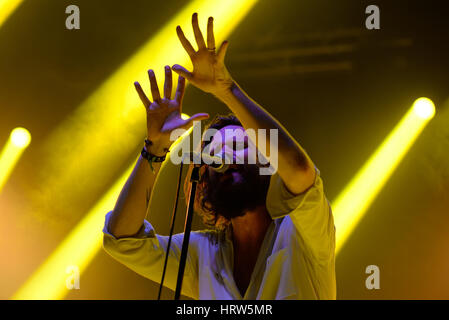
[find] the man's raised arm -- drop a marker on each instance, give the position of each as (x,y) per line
(163,116)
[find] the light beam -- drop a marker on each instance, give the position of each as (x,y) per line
(351,204)
(7,7)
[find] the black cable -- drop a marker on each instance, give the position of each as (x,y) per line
(172,227)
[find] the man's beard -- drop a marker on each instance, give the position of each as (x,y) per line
(233,193)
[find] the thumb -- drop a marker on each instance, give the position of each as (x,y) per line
(197,117)
(182,71)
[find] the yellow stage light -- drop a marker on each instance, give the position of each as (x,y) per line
(19,139)
(424,108)
(7,7)
(355,199)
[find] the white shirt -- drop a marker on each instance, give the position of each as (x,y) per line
(296,259)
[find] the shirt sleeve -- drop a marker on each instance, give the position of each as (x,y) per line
(310,213)
(144,253)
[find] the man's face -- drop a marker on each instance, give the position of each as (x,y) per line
(241,187)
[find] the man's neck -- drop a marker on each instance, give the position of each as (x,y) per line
(248,231)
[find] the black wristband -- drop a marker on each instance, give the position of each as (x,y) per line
(151,157)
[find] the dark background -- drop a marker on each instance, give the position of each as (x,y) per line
(336,86)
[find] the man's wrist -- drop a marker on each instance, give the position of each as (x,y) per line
(225,93)
(156,148)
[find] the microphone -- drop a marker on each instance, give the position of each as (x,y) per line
(216,163)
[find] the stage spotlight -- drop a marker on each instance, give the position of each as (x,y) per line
(18,141)
(20,137)
(358,195)
(424,108)
(7,7)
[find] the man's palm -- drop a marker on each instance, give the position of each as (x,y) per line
(209,71)
(164,114)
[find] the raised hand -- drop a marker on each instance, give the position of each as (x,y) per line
(209,72)
(164,114)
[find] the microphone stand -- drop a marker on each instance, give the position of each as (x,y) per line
(194,178)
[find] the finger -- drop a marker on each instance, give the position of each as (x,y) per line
(168,83)
(210,34)
(185,43)
(196,30)
(222,51)
(180,89)
(143,97)
(154,87)
(196,117)
(182,71)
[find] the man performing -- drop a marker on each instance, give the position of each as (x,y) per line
(272,236)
